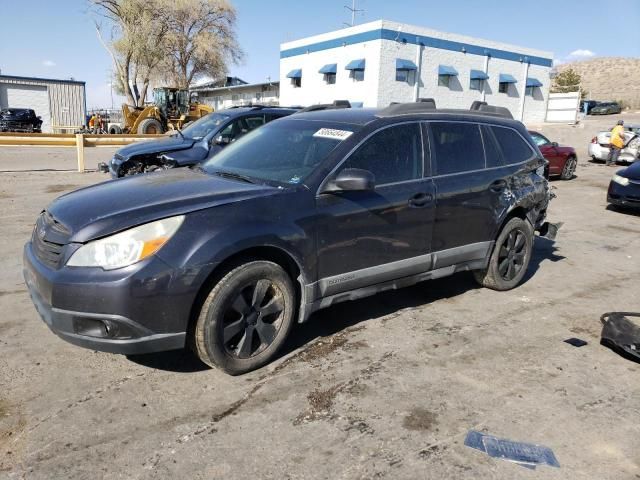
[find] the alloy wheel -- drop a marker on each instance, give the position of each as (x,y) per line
(512,254)
(252,319)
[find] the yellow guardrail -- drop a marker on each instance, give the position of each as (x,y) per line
(80,141)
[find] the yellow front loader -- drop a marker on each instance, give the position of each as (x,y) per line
(172,109)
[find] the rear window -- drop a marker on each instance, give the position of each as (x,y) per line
(457,147)
(513,146)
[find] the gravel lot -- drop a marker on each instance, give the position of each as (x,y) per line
(383,387)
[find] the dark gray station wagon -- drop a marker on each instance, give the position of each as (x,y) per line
(309,210)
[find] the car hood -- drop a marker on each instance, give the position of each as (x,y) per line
(116,205)
(167,144)
(632,172)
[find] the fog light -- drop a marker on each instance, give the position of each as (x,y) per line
(90,327)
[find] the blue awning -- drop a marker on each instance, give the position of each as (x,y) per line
(446,70)
(329,68)
(506,78)
(405,64)
(478,75)
(297,73)
(356,64)
(533,82)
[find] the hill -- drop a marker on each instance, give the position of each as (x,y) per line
(609,78)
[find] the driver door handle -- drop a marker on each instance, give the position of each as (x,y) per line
(420,200)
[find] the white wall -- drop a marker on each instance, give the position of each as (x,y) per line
(315,90)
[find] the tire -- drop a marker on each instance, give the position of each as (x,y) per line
(233,332)
(569,168)
(150,126)
(115,130)
(504,276)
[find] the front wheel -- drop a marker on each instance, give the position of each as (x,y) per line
(510,258)
(246,318)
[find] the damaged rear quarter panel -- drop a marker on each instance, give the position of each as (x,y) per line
(528,192)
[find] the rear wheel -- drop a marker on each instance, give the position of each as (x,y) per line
(510,258)
(246,318)
(150,126)
(569,168)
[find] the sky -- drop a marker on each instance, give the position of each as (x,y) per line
(57,38)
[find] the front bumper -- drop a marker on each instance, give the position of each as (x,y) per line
(129,312)
(627,197)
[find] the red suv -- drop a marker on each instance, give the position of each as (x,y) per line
(562,160)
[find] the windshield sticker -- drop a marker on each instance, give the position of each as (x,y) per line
(295,179)
(333,134)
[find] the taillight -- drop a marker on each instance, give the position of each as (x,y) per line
(594,140)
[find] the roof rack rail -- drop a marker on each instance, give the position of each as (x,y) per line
(484,107)
(420,106)
(337,104)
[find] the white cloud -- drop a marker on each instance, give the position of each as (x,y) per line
(581,52)
(49,63)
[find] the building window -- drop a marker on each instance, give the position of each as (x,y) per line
(443,80)
(330,78)
(503,87)
(234,97)
(357,75)
(529,91)
(407,76)
(258,96)
(296,82)
(475,84)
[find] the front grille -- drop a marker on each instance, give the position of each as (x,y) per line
(48,239)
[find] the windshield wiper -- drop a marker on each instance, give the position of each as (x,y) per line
(235,176)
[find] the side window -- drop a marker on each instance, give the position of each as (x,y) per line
(233,130)
(254,121)
(514,148)
(392,155)
(491,148)
(457,147)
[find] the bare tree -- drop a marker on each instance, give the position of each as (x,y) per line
(201,39)
(136,38)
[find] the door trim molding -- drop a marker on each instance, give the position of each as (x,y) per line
(369,276)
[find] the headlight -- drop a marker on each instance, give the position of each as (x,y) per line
(128,247)
(621,180)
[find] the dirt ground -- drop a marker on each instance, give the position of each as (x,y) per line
(383,387)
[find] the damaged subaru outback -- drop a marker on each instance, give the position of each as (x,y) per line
(307,211)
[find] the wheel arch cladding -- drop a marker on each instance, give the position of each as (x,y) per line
(268,253)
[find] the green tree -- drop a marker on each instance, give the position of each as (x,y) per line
(568,80)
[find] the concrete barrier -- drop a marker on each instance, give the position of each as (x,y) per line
(80,141)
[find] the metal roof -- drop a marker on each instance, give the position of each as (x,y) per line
(39,79)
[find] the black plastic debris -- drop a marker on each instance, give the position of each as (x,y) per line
(527,455)
(576,342)
(622,334)
(550,230)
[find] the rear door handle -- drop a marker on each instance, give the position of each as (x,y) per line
(498,186)
(420,200)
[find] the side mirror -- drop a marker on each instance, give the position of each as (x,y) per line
(554,144)
(222,140)
(352,180)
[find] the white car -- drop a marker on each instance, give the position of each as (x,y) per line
(599,147)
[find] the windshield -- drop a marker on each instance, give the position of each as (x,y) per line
(201,127)
(539,139)
(285,151)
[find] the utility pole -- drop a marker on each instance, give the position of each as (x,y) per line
(353,11)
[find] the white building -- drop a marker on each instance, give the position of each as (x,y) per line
(233,91)
(380,62)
